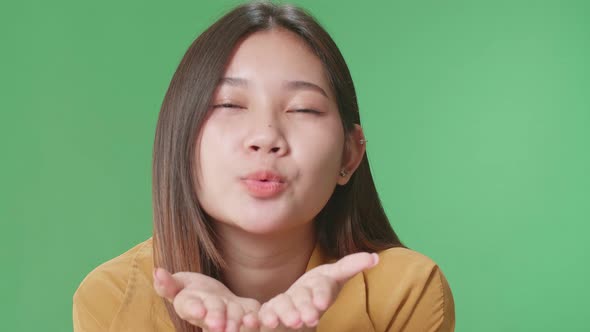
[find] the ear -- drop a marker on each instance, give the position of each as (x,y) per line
(353,154)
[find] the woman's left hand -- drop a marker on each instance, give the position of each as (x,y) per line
(302,305)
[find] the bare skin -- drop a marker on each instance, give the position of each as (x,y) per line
(260,267)
(275,111)
(207,303)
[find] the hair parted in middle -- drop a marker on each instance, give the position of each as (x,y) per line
(184,238)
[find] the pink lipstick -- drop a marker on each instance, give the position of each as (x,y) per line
(264,184)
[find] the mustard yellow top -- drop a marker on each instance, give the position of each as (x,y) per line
(406,291)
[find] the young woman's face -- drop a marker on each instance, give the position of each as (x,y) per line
(271,149)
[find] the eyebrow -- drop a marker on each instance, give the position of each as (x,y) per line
(233,81)
(291,85)
(303,85)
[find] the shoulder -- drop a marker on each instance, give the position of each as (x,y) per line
(407,290)
(402,262)
(103,291)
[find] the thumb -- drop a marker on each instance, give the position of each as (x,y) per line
(349,265)
(165,284)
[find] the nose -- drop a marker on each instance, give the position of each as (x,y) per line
(267,139)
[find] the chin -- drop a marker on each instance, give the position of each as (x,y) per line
(263,225)
(262,228)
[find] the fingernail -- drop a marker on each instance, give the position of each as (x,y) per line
(156,275)
(375,259)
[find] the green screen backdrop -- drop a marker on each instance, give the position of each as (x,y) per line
(477,115)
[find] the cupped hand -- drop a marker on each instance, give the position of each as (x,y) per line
(302,305)
(207,303)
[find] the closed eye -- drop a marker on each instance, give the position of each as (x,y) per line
(227,105)
(307,110)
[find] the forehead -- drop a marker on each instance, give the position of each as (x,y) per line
(273,56)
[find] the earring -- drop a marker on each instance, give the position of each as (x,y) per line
(363,141)
(343,172)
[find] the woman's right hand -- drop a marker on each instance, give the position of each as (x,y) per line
(205,302)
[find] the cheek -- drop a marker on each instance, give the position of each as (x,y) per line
(214,152)
(217,144)
(319,150)
(213,168)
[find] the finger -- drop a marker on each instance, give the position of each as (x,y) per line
(165,285)
(234,316)
(323,294)
(249,329)
(302,299)
(250,320)
(350,265)
(189,307)
(215,318)
(267,316)
(251,308)
(249,305)
(286,311)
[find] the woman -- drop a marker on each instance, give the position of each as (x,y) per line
(265,210)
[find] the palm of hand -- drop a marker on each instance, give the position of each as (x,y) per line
(204,301)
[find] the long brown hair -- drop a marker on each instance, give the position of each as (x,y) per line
(353,219)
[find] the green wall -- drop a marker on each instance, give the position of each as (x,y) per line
(477,115)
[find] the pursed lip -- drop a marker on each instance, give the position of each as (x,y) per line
(264,184)
(265,175)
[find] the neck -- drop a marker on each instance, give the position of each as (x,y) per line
(261,266)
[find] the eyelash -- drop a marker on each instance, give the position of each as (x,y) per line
(302,110)
(228,105)
(307,110)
